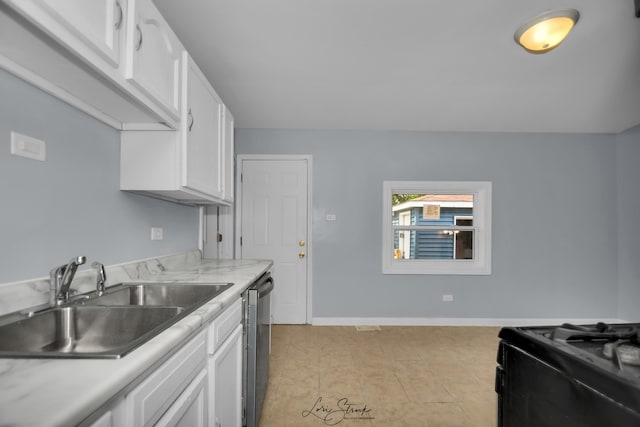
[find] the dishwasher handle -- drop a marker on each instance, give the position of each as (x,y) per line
(259,289)
(265,288)
(264,284)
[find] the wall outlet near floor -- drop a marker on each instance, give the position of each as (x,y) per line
(157,233)
(447,298)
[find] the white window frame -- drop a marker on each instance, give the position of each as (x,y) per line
(481,262)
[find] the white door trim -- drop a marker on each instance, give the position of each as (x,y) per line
(238,214)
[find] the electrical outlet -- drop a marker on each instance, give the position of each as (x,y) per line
(157,233)
(447,298)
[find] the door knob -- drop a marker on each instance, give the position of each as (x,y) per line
(301,243)
(301,255)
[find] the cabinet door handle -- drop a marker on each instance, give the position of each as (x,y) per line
(139,33)
(301,255)
(191,120)
(118,23)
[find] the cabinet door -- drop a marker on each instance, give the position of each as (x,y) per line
(153,56)
(147,403)
(77,24)
(228,148)
(190,409)
(113,416)
(223,326)
(97,23)
(201,133)
(225,383)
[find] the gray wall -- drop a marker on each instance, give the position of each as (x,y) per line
(561,238)
(628,152)
(554,221)
(71,204)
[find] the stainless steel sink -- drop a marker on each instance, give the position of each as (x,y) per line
(78,331)
(105,326)
(158,294)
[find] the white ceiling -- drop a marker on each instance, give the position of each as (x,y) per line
(423,65)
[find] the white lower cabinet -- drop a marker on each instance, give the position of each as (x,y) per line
(169,393)
(200,385)
(225,368)
(225,383)
(113,416)
(190,410)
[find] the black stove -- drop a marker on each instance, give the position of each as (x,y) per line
(569,375)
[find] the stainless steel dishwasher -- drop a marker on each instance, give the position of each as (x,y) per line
(257,346)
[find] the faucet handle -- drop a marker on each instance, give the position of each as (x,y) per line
(62,276)
(101,278)
(69,270)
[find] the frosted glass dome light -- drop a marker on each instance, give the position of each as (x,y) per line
(546,31)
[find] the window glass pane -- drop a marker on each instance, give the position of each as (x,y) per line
(435,210)
(464,244)
(433,244)
(432,209)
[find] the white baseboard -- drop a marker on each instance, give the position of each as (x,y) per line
(447,321)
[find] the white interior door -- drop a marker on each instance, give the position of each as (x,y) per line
(273,211)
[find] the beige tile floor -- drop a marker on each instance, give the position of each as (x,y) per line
(397,376)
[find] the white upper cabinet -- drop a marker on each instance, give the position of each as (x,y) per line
(75,50)
(82,26)
(201,132)
(120,62)
(188,166)
(153,56)
(97,23)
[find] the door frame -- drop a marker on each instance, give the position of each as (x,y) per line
(238,212)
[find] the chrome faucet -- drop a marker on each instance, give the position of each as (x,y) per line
(61,277)
(102,277)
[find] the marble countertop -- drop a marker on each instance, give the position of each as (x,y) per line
(64,392)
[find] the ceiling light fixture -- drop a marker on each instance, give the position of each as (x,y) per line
(546,31)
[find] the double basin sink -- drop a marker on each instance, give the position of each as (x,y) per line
(104,326)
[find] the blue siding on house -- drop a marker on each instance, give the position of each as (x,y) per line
(432,245)
(395,220)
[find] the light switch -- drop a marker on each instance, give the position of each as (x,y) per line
(26,146)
